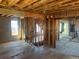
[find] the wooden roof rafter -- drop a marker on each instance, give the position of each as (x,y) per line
(25,3)
(58,7)
(39,4)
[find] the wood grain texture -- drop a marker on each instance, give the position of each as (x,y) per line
(43,5)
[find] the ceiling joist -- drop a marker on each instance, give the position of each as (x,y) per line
(39,6)
(25,3)
(12,2)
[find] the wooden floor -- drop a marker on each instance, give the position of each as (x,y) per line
(20,50)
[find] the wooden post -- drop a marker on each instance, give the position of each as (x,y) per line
(51,32)
(46,32)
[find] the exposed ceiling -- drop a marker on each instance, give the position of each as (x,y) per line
(40,6)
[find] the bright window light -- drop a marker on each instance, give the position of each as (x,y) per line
(14,27)
(38,29)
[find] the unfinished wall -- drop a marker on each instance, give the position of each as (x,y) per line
(5,29)
(75,31)
(77,27)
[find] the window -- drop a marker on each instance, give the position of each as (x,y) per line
(38,29)
(14,27)
(39,33)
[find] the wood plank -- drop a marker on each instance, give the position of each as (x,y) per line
(59,7)
(25,3)
(11,12)
(20,13)
(12,2)
(4,2)
(30,6)
(53,4)
(50,37)
(38,4)
(0,1)
(67,13)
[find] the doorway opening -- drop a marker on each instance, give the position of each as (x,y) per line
(63,29)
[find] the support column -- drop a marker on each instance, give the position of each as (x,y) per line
(51,32)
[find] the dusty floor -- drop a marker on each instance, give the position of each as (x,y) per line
(68,46)
(20,50)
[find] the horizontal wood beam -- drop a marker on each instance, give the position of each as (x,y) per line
(67,13)
(10,12)
(20,13)
(35,15)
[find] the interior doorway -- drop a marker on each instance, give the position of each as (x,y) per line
(63,29)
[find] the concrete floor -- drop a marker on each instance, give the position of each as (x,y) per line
(67,46)
(21,50)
